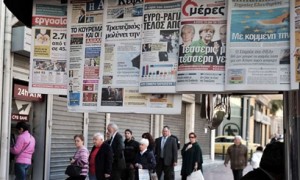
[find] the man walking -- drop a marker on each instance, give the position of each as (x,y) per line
(130,151)
(166,154)
(117,144)
(237,155)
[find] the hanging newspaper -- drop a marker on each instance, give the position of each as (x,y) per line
(119,75)
(48,50)
(160,46)
(295,43)
(258,55)
(201,62)
(84,42)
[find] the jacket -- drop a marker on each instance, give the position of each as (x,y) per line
(103,161)
(190,157)
(81,158)
(169,152)
(237,154)
(22,150)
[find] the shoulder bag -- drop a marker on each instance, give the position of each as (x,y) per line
(73,169)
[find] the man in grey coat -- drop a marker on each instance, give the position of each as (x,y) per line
(166,154)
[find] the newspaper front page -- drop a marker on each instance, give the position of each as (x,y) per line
(120,68)
(202,46)
(84,42)
(160,46)
(258,50)
(48,73)
(295,43)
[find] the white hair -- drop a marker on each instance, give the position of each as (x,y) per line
(145,142)
(113,125)
(238,137)
(98,136)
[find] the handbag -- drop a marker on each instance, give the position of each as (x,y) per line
(73,170)
(144,174)
(196,175)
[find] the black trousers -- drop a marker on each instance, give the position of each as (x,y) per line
(77,178)
(167,170)
(237,174)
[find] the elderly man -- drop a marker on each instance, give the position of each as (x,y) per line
(166,154)
(100,160)
(117,144)
(237,155)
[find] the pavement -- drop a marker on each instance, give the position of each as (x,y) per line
(213,169)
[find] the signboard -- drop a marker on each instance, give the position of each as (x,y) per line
(21,93)
(19,117)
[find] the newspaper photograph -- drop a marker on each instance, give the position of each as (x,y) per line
(48,74)
(295,43)
(120,68)
(259,55)
(160,46)
(202,46)
(84,42)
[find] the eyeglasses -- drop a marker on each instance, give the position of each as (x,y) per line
(192,137)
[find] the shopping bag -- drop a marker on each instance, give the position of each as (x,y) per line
(196,175)
(144,174)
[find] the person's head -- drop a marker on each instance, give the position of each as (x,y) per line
(206,33)
(187,33)
(82,12)
(112,128)
(223,33)
(21,127)
(259,148)
(148,136)
(98,139)
(166,131)
(273,159)
(144,143)
(128,134)
(79,140)
(192,137)
(237,140)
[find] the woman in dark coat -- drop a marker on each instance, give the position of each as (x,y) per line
(191,157)
(145,158)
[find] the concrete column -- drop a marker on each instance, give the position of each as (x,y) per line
(86,122)
(107,121)
(156,126)
(189,120)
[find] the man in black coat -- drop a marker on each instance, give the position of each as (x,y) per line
(166,154)
(271,165)
(117,144)
(100,158)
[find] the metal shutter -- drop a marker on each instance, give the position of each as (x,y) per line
(137,123)
(96,124)
(21,67)
(64,126)
(202,137)
(177,125)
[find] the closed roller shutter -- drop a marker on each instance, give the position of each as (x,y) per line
(96,124)
(21,67)
(177,125)
(137,123)
(64,126)
(202,137)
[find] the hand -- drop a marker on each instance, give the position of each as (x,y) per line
(225,164)
(139,166)
(72,160)
(175,164)
(131,166)
(106,175)
(196,166)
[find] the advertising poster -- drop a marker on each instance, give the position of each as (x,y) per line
(295,43)
(84,42)
(120,68)
(202,46)
(258,53)
(160,46)
(48,74)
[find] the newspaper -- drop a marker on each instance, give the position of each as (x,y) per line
(120,68)
(84,42)
(295,43)
(258,55)
(160,46)
(48,55)
(201,62)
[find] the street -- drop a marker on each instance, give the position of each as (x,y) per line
(215,170)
